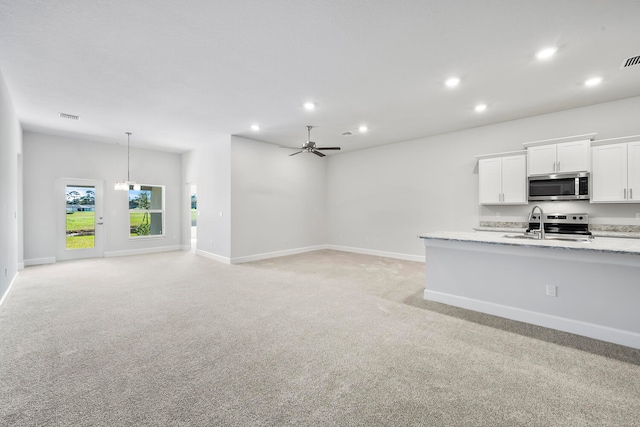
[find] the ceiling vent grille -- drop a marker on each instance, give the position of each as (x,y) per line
(68,116)
(630,62)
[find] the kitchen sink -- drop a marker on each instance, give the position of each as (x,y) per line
(521,236)
(550,237)
(570,239)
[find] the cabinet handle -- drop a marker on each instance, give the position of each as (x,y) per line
(554,166)
(631,194)
(558,167)
(625,194)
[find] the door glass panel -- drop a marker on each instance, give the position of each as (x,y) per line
(80,217)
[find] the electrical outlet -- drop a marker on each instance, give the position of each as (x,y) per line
(552,291)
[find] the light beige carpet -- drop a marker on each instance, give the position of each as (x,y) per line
(324,338)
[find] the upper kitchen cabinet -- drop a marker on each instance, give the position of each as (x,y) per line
(503,178)
(570,154)
(615,174)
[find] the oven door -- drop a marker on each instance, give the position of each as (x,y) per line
(555,187)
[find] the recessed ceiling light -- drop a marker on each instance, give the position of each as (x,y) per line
(546,53)
(255,128)
(594,81)
(480,108)
(309,106)
(452,82)
(363,128)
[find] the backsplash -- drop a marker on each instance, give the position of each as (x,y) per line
(611,228)
(503,224)
(615,228)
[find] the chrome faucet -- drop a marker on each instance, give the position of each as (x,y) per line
(541,232)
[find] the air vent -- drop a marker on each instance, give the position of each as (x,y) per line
(68,116)
(630,62)
(347,133)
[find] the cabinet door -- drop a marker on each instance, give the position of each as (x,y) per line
(542,159)
(609,173)
(573,156)
(514,179)
(633,172)
(490,178)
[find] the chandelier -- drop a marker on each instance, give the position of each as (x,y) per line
(125,185)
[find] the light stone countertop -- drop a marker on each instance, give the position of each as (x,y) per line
(599,244)
(616,234)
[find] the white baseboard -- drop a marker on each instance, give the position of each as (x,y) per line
(39,261)
(213,256)
(276,254)
(21,266)
(186,247)
(405,257)
(142,251)
(6,293)
(591,330)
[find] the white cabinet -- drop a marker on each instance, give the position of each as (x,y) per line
(557,158)
(615,175)
(503,179)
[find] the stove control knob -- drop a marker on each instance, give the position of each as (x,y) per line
(574,217)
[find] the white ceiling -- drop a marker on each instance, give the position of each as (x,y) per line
(176,74)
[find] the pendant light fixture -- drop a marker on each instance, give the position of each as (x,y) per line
(125,185)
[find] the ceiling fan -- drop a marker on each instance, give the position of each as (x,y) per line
(310,146)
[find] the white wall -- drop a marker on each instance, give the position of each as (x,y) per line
(278,202)
(48,157)
(10,150)
(210,168)
(380,199)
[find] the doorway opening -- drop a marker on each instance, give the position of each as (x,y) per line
(193,200)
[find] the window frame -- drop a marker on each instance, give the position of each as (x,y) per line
(161,211)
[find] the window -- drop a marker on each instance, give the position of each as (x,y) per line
(146,211)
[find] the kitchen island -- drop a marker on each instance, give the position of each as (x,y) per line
(587,288)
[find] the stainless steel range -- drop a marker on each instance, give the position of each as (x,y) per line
(569,225)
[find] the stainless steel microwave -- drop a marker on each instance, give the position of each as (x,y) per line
(559,186)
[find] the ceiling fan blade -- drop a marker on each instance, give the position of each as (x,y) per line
(295,153)
(317,153)
(327,148)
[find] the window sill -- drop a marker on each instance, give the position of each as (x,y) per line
(161,236)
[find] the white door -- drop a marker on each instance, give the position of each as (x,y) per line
(542,159)
(80,218)
(490,179)
(633,174)
(609,173)
(514,180)
(573,156)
